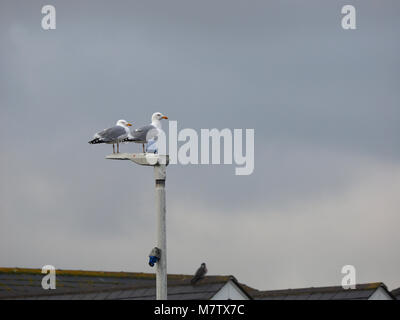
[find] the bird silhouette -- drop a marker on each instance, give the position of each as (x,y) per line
(200,273)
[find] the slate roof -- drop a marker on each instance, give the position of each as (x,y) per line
(396,293)
(175,292)
(17,283)
(361,292)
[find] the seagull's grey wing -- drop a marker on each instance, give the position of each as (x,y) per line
(112,134)
(140,134)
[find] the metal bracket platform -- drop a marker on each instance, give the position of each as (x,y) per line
(144,159)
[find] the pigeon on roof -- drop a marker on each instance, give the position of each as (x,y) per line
(200,273)
(113,135)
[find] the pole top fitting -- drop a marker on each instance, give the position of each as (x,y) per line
(143,159)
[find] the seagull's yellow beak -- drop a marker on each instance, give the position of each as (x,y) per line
(164,117)
(129,124)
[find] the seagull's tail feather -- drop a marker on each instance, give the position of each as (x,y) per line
(96,140)
(130,140)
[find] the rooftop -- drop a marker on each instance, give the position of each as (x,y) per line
(361,292)
(25,283)
(77,284)
(396,293)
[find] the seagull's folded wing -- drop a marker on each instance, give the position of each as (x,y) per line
(113,134)
(143,134)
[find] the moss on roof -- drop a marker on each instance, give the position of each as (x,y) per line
(109,274)
(314,290)
(79,273)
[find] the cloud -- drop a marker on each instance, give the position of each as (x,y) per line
(303,243)
(303,240)
(323,103)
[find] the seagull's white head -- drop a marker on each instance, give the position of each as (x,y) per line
(157,116)
(123,123)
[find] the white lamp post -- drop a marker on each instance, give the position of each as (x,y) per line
(159,163)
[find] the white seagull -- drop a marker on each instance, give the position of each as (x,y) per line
(113,135)
(144,134)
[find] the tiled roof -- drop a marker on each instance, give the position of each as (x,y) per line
(396,293)
(175,292)
(361,292)
(17,283)
(73,284)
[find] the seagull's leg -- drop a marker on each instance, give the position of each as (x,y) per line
(143,147)
(117,147)
(113,148)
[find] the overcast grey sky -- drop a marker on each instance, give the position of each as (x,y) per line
(324,103)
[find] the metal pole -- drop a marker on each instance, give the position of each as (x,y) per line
(159,162)
(161,267)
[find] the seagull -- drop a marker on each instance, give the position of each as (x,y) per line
(200,273)
(144,134)
(113,135)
